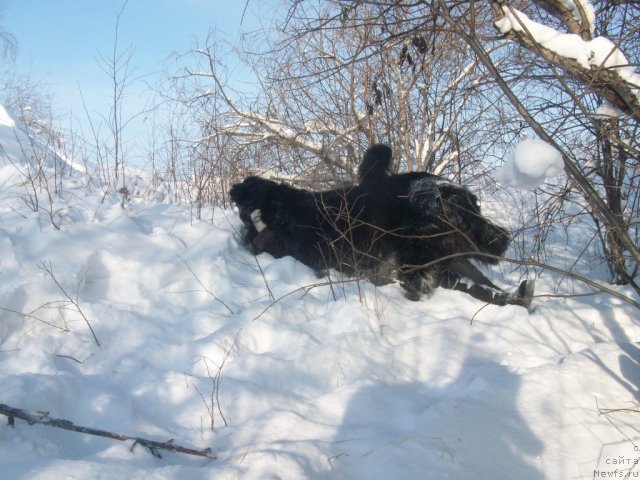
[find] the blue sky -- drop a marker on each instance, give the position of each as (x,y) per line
(60,41)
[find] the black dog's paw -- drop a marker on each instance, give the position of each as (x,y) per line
(412,295)
(418,283)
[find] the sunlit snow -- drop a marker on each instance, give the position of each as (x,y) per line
(282,374)
(532,162)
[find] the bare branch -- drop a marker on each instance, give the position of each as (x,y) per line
(43,418)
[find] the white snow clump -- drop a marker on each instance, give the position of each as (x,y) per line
(530,165)
(608,110)
(5,118)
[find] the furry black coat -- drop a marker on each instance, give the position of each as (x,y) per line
(341,229)
(432,216)
(418,226)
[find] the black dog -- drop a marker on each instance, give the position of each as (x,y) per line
(445,216)
(337,229)
(406,222)
(437,227)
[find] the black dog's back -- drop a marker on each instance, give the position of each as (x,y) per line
(434,216)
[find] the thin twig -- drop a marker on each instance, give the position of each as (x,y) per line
(264,279)
(306,289)
(49,270)
(607,411)
(216,380)
(204,288)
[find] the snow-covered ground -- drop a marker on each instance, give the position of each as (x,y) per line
(282,375)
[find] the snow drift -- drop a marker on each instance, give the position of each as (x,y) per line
(282,374)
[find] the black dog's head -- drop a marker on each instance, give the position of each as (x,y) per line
(256,193)
(461,211)
(266,208)
(249,195)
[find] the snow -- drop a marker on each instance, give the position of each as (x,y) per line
(532,162)
(599,52)
(605,109)
(577,7)
(273,126)
(314,379)
(5,119)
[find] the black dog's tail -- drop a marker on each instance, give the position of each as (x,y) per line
(376,164)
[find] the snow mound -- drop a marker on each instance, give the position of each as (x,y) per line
(6,120)
(21,147)
(282,374)
(531,164)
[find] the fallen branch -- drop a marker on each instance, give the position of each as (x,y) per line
(151,445)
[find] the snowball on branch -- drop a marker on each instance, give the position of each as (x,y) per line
(532,162)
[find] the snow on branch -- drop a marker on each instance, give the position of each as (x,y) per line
(598,63)
(532,162)
(258,127)
(578,15)
(253,128)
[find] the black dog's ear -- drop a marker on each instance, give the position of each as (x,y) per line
(376,163)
